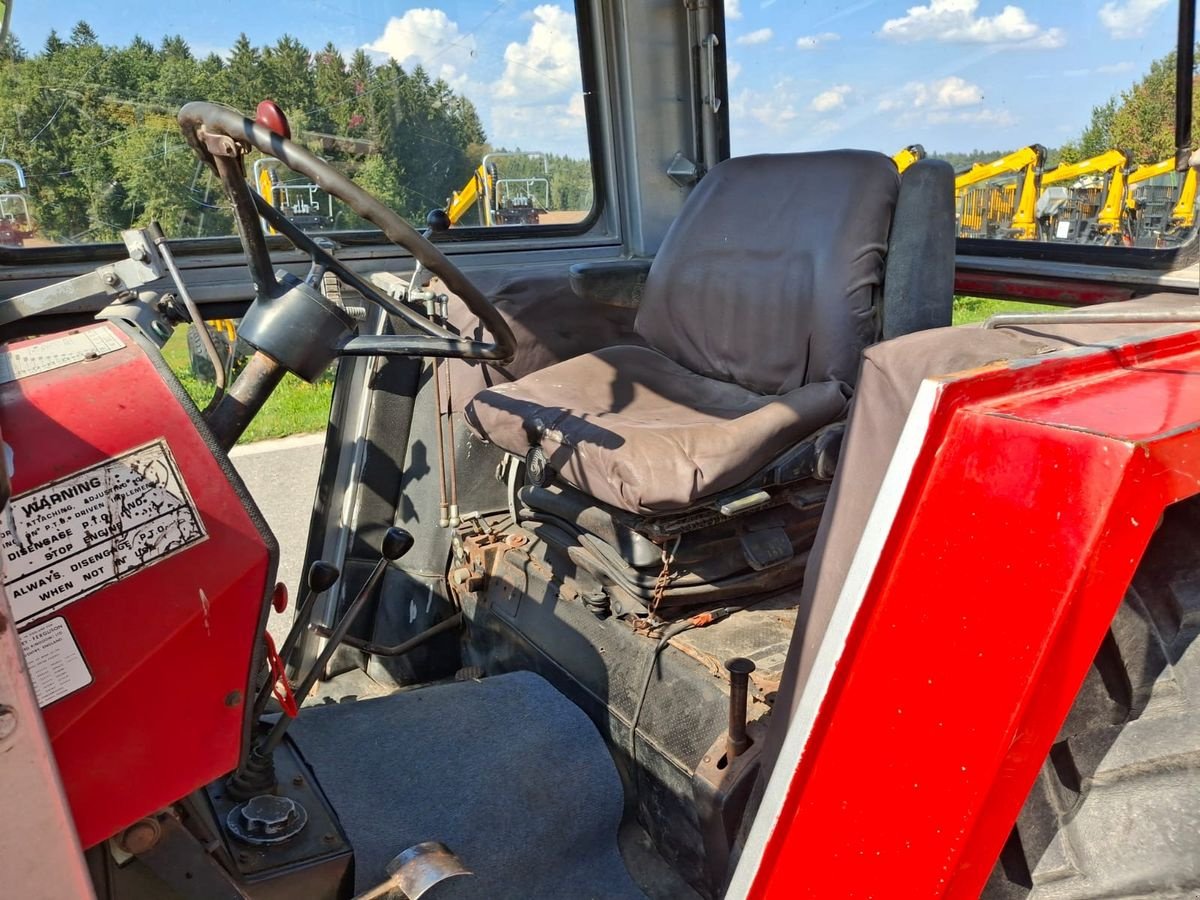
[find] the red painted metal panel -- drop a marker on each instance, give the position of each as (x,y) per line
(169,646)
(1032,500)
(1038,290)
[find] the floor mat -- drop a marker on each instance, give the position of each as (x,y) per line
(506,772)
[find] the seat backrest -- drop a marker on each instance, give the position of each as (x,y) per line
(918,279)
(771,275)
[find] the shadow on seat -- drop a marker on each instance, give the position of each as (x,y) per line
(778,273)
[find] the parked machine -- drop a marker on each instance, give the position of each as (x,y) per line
(714,566)
(16,224)
(503,201)
(997,199)
(1092,207)
(907,156)
(1160,205)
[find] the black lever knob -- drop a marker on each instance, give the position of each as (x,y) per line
(437,221)
(321,576)
(396,543)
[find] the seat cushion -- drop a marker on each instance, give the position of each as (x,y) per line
(636,430)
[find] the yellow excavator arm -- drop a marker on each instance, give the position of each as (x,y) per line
(1028,162)
(909,155)
(481,185)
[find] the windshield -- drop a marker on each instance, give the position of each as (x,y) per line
(476,106)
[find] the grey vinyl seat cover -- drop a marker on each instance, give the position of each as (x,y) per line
(754,315)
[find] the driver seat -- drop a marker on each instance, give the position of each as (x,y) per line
(756,310)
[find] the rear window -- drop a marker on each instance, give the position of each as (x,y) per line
(1058,117)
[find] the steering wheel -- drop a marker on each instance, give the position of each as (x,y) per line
(221,137)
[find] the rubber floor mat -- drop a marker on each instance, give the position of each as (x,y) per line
(505,771)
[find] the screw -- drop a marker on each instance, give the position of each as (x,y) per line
(243,857)
(329,837)
(140,255)
(8,721)
(111,279)
(233,698)
(298,780)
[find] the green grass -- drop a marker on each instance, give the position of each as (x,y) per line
(969,309)
(296,407)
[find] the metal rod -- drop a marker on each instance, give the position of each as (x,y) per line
(210,349)
(451,449)
(443,508)
(299,626)
(399,649)
(335,639)
(230,417)
(739,669)
(1184,74)
(1005,320)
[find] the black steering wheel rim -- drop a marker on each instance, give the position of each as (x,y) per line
(205,124)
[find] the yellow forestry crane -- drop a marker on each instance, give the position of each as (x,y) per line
(1107,220)
(1008,209)
(1183,212)
(909,155)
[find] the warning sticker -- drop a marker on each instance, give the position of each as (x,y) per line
(73,536)
(56,667)
(54,354)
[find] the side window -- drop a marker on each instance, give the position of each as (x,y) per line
(476,108)
(1059,118)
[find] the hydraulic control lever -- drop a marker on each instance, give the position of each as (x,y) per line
(396,543)
(321,577)
(256,775)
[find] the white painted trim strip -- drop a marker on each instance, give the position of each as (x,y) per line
(833,644)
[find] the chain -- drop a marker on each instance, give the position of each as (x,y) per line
(664,576)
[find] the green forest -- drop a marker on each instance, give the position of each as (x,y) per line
(94,128)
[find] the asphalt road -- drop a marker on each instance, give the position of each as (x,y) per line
(282,478)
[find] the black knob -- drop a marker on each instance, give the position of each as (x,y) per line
(396,543)
(438,221)
(321,576)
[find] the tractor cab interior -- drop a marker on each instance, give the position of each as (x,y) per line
(596,472)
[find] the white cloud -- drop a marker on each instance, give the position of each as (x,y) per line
(547,63)
(1116,68)
(942,93)
(430,38)
(733,9)
(813,41)
(755,37)
(538,101)
(955,21)
(834,98)
(733,70)
(1129,19)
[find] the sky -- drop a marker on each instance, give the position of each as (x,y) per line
(953,75)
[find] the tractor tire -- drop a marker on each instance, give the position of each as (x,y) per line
(1115,811)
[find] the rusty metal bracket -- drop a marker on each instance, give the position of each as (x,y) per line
(221,144)
(176,856)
